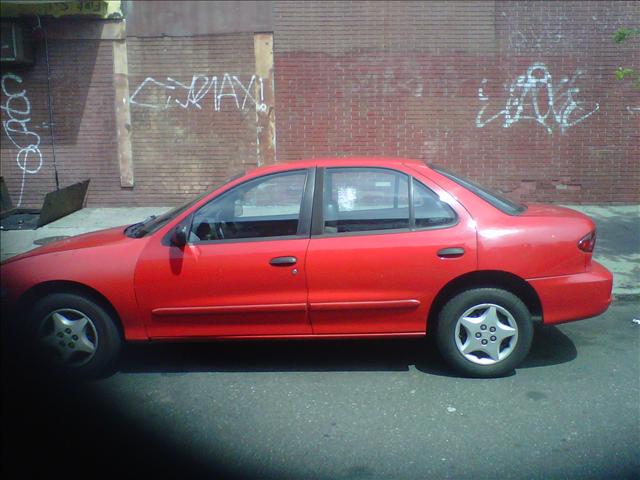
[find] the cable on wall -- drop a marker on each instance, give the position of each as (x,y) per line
(51,132)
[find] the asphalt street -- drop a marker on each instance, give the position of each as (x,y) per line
(339,410)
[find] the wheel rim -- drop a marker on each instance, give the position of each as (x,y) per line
(486,334)
(70,336)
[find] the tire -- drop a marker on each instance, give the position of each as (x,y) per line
(484,332)
(74,335)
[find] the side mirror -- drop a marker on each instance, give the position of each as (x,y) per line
(179,236)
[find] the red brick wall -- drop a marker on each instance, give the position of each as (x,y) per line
(85,143)
(188,131)
(440,81)
(177,151)
(404,79)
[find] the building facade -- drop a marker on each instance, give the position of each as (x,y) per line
(156,101)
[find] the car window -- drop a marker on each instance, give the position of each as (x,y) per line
(498,201)
(264,207)
(429,210)
(365,199)
(154,223)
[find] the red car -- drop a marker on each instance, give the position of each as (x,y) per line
(331,248)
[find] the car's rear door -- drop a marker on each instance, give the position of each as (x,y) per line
(242,270)
(383,244)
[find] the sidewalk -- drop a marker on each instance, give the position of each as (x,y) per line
(617,244)
(617,247)
(13,242)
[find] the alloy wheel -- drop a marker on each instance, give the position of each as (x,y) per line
(486,334)
(70,336)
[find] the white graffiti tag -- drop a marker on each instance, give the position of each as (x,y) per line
(532,96)
(18,109)
(158,95)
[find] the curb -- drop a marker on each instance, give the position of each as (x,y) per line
(626,297)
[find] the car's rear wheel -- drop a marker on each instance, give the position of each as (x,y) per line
(484,332)
(74,335)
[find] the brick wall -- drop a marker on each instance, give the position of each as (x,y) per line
(193,124)
(455,83)
(85,143)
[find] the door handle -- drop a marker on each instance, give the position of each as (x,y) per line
(283,261)
(450,252)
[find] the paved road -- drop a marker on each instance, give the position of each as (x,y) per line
(342,410)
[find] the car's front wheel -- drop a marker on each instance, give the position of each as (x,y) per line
(74,334)
(484,332)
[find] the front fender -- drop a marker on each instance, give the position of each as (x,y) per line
(107,269)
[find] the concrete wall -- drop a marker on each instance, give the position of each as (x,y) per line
(520,96)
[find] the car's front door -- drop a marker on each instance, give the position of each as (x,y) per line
(242,271)
(377,259)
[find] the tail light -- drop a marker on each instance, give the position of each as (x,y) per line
(588,242)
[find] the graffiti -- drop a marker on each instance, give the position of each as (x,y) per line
(554,29)
(533,96)
(633,110)
(552,33)
(386,84)
(18,109)
(158,95)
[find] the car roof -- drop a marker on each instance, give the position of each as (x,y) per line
(338,161)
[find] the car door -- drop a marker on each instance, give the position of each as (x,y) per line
(241,272)
(383,244)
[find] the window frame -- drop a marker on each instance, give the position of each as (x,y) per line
(496,200)
(454,221)
(318,220)
(304,218)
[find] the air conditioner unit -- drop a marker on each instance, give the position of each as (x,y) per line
(16,45)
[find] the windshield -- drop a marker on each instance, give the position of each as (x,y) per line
(154,223)
(501,203)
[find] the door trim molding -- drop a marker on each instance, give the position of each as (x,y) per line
(368,305)
(221,309)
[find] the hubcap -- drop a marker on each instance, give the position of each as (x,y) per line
(486,334)
(70,335)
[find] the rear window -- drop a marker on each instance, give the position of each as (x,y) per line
(501,203)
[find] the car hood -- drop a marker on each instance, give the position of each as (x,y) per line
(545,210)
(87,240)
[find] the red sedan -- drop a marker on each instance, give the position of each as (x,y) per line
(332,248)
